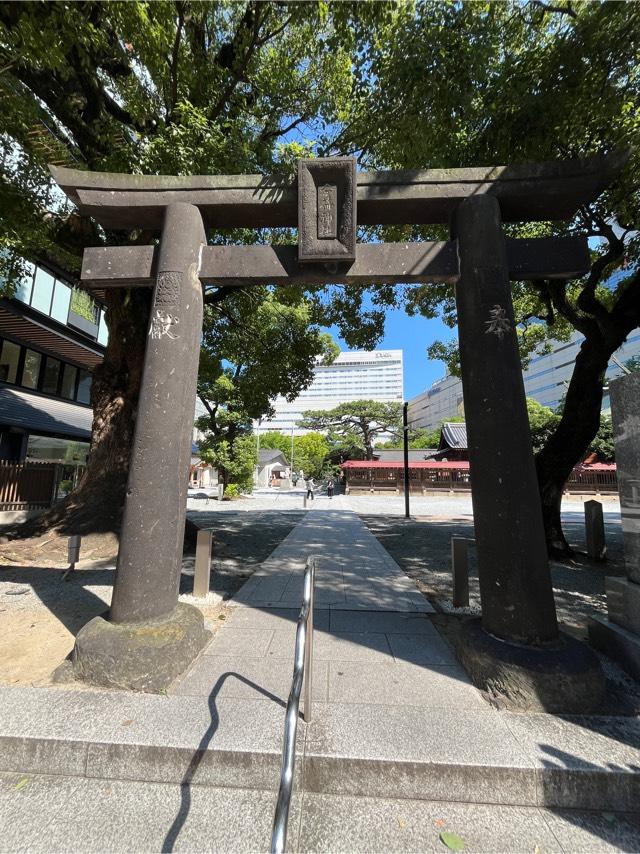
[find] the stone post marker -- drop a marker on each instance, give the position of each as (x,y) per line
(594,530)
(516,650)
(619,636)
(202,574)
(149,638)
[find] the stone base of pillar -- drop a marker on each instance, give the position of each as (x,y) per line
(139,656)
(617,642)
(565,678)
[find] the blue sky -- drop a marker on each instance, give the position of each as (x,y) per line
(412,335)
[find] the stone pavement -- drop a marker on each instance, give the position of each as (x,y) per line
(401,747)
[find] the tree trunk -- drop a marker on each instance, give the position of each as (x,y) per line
(569,443)
(96,503)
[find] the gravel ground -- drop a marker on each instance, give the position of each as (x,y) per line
(40,613)
(422,547)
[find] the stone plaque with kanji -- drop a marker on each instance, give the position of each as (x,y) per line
(327,209)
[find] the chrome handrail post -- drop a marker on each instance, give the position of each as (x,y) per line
(301,674)
(308,651)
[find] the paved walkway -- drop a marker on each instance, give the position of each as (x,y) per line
(373,641)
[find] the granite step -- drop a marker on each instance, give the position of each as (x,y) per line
(338,823)
(56,813)
(350,749)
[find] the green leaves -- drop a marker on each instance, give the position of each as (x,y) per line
(452,840)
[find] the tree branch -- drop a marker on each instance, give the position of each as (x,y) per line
(206,405)
(557,10)
(251,18)
(173,65)
(275,32)
(558,294)
(274,134)
(587,301)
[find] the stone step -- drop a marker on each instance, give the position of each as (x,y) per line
(338,823)
(224,742)
(57,813)
(72,814)
(379,750)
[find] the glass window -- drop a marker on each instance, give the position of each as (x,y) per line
(42,291)
(84,387)
(84,306)
(23,288)
(9,362)
(68,389)
(61,300)
(31,369)
(51,374)
(62,450)
(103,332)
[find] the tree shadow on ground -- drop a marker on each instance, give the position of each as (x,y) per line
(70,601)
(422,547)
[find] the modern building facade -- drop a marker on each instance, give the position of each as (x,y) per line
(443,400)
(357,375)
(546,379)
(52,336)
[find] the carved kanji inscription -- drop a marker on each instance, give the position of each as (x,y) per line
(327,212)
(327,209)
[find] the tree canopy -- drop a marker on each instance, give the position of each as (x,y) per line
(163,87)
(358,422)
(464,84)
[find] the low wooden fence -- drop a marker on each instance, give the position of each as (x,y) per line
(584,479)
(26,486)
(378,481)
(421,481)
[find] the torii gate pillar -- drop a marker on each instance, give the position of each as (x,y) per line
(149,637)
(515,651)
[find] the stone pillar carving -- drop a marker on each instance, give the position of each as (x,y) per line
(149,638)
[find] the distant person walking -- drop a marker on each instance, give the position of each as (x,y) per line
(310,487)
(330,487)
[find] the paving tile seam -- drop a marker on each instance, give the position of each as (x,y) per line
(549,824)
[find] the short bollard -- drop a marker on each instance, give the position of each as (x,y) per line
(304,502)
(73,554)
(594,530)
(202,575)
(460,569)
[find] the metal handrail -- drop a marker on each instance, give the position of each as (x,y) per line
(302,667)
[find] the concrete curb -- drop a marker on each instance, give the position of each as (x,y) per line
(524,760)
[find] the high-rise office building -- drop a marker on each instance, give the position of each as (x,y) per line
(358,375)
(546,379)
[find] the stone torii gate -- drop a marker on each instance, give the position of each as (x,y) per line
(149,638)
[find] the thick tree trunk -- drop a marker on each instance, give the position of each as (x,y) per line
(96,503)
(569,443)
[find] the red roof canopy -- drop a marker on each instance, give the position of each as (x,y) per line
(398,464)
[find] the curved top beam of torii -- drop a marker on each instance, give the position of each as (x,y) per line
(551,190)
